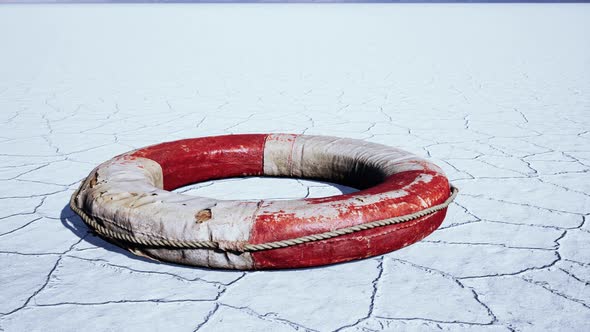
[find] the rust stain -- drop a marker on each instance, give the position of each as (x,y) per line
(94,180)
(203,215)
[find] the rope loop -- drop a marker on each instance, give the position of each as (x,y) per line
(244,246)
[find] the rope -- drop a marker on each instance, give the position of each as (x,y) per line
(244,246)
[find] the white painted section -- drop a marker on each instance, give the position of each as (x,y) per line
(125,195)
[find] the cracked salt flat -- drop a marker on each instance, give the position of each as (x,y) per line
(493,94)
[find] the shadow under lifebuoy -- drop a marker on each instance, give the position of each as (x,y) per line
(76,225)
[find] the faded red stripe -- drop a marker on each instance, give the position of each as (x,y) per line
(200,159)
(275,222)
(359,245)
(338,212)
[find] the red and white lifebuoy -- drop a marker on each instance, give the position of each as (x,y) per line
(128,200)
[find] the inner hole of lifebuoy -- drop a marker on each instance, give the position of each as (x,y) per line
(256,188)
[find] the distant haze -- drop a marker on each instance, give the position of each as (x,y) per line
(291,1)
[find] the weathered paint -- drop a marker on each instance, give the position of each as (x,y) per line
(127,193)
(200,159)
(279,220)
(344,248)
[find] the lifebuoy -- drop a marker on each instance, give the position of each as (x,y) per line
(127,200)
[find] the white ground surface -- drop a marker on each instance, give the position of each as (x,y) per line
(498,95)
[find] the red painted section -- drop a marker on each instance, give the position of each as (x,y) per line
(347,210)
(274,222)
(200,159)
(359,245)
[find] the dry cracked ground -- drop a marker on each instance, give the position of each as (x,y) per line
(498,96)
